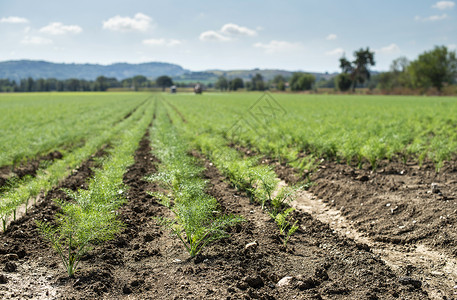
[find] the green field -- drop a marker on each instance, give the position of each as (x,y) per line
(213,171)
(352,129)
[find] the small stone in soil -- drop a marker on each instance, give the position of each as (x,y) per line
(254,281)
(126,289)
(252,245)
(10,267)
(435,188)
(12,256)
(410,281)
(284,281)
(3,279)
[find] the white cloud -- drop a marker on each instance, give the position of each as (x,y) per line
(278,46)
(331,37)
(162,42)
(140,22)
(335,52)
(226,33)
(35,40)
(452,47)
(212,35)
(57,28)
(391,49)
(431,18)
(14,20)
(233,29)
(442,5)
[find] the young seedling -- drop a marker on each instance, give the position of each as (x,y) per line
(286,228)
(77,231)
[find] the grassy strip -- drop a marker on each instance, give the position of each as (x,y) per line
(47,178)
(198,220)
(258,181)
(91,217)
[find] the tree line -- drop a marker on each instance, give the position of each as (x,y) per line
(298,82)
(102,83)
(434,70)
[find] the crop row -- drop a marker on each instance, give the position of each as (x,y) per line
(90,217)
(49,177)
(36,124)
(197,218)
(258,181)
(356,130)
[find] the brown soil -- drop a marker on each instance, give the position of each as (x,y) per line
(27,168)
(395,204)
(145,262)
(133,110)
(392,210)
(36,263)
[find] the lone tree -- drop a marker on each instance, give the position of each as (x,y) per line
(301,81)
(236,83)
(280,82)
(434,68)
(164,82)
(222,83)
(359,68)
(257,83)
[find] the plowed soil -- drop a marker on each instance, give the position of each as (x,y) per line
(26,168)
(395,203)
(145,262)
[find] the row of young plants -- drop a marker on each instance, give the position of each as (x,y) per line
(258,181)
(357,130)
(91,217)
(50,176)
(36,124)
(197,219)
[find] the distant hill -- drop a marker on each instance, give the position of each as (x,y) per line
(20,69)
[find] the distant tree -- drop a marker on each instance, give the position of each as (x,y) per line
(326,83)
(140,81)
(222,83)
(359,68)
(41,85)
(73,84)
(101,84)
(164,82)
(397,76)
(280,82)
(434,68)
(52,84)
(236,83)
(343,81)
(301,81)
(127,83)
(257,83)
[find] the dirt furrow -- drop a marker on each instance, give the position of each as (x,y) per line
(8,174)
(431,266)
(321,264)
(399,203)
(436,270)
(29,266)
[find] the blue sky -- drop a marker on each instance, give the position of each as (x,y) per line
(307,35)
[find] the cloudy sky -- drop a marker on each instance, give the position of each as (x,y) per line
(307,35)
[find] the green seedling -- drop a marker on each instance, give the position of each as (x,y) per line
(77,231)
(286,228)
(163,199)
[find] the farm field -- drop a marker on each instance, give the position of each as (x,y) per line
(228,196)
